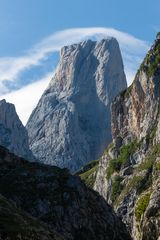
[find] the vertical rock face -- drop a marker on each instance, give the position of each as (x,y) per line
(13,134)
(71,124)
(128,173)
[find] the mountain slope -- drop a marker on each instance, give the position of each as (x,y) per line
(16,224)
(71,124)
(13,134)
(128,172)
(59,202)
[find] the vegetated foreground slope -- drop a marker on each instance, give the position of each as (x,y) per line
(43,202)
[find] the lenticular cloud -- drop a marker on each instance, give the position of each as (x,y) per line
(133,50)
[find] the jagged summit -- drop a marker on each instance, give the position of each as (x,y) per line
(99,58)
(13,134)
(88,43)
(71,124)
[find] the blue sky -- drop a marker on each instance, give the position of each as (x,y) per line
(25,22)
(33,31)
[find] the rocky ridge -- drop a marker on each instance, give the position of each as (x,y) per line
(71,124)
(43,202)
(129,170)
(13,134)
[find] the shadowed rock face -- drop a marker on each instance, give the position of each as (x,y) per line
(129,170)
(16,224)
(43,202)
(71,124)
(13,134)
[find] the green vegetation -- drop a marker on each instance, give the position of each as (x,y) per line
(87,167)
(132,184)
(89,176)
(126,92)
(151,63)
(150,159)
(125,152)
(135,182)
(114,166)
(140,183)
(157,166)
(153,60)
(141,206)
(158,35)
(142,179)
(110,146)
(152,134)
(155,152)
(146,164)
(117,187)
(145,182)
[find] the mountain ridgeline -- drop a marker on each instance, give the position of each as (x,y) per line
(127,175)
(71,124)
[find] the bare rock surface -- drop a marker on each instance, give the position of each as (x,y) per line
(13,134)
(71,124)
(128,172)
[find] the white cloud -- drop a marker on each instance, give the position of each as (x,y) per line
(11,67)
(133,51)
(26,99)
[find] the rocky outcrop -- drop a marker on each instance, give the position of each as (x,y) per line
(128,171)
(13,134)
(71,124)
(43,202)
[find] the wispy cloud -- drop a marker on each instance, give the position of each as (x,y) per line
(26,98)
(133,51)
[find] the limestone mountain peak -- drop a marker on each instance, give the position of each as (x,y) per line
(71,124)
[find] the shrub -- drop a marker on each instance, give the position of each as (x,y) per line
(145,182)
(146,164)
(89,176)
(117,187)
(138,182)
(141,206)
(150,137)
(87,167)
(126,92)
(157,167)
(158,35)
(125,152)
(153,60)
(114,166)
